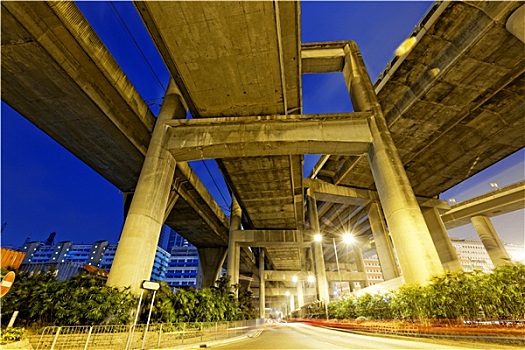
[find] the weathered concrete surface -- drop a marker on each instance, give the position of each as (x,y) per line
(453,124)
(501,201)
(140,234)
(491,241)
(242,137)
(453,104)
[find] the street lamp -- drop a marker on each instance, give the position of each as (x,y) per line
(348,238)
(494,185)
(318,237)
(310,278)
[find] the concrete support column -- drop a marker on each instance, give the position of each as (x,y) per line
(313,219)
(234,250)
(360,264)
(382,242)
(300,294)
(490,239)
(262,286)
(446,251)
(292,303)
(210,264)
(415,250)
(137,246)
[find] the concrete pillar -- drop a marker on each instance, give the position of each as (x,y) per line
(490,239)
(415,250)
(292,303)
(210,265)
(313,219)
(300,294)
(262,286)
(515,23)
(137,246)
(446,251)
(360,264)
(382,242)
(234,250)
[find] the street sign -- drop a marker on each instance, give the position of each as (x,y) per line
(7,282)
(150,285)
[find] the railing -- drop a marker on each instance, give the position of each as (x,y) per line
(156,336)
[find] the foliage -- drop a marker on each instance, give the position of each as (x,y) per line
(453,296)
(344,308)
(214,304)
(11,335)
(83,300)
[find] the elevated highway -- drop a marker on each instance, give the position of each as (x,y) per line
(445,110)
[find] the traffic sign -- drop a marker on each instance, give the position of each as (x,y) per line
(7,282)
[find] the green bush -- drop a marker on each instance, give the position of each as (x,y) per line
(11,335)
(453,296)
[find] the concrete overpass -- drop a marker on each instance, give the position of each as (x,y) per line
(237,67)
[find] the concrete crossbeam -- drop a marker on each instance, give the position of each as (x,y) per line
(341,133)
(287,276)
(276,291)
(322,58)
(328,192)
(267,238)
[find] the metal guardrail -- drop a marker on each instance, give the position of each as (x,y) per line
(156,336)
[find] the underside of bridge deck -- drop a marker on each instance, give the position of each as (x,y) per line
(445,110)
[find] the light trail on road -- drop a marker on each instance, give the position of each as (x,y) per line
(301,336)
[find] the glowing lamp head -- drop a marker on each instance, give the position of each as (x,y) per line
(295,279)
(287,293)
(406,46)
(348,238)
(318,237)
(311,278)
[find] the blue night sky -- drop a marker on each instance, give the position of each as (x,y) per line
(47,189)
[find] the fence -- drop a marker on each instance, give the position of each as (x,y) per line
(155,336)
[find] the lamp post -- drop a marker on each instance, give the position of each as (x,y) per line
(337,263)
(348,239)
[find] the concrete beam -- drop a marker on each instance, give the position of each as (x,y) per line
(495,203)
(199,198)
(341,133)
(328,192)
(268,238)
(287,276)
(322,57)
(277,291)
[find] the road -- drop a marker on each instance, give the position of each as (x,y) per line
(301,336)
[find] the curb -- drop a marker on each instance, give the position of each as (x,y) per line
(252,334)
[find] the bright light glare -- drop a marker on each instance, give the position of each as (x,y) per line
(311,278)
(318,237)
(287,293)
(348,238)
(406,46)
(295,278)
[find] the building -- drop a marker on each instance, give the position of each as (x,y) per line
(473,255)
(374,274)
(98,254)
(183,266)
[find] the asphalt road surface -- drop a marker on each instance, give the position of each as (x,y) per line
(301,336)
